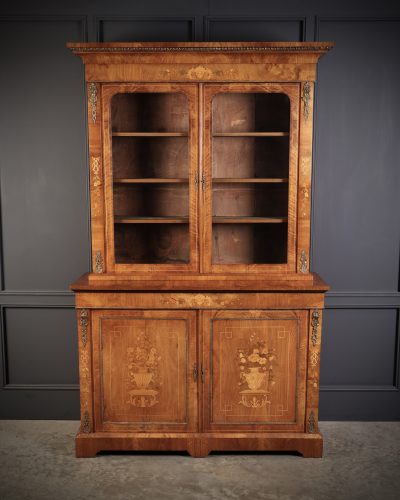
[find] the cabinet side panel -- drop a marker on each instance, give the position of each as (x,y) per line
(304,183)
(85,369)
(313,370)
(97,211)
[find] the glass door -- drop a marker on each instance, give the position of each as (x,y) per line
(250,168)
(150,140)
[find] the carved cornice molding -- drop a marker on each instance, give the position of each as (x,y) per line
(283,48)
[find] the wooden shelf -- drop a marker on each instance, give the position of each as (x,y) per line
(249,220)
(150,134)
(150,220)
(251,134)
(249,180)
(151,181)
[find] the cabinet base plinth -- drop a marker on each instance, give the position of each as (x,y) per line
(199,445)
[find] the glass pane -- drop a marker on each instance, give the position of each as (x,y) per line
(150,177)
(250,169)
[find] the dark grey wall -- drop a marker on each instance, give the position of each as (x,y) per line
(44,202)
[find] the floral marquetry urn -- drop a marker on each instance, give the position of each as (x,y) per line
(256,373)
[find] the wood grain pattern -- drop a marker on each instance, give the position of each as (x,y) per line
(144,363)
(290,283)
(96,174)
(85,369)
(124,120)
(200,300)
(304,184)
(255,364)
(200,444)
(243,116)
(200,327)
(313,369)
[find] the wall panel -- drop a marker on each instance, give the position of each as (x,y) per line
(125,29)
(40,347)
(43,162)
(356,230)
(254,29)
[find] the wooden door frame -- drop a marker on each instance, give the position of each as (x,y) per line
(191,91)
(206,319)
(292,90)
(192,385)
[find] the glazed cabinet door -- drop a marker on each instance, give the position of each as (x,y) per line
(144,370)
(255,370)
(250,167)
(150,141)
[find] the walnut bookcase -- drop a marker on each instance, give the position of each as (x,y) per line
(200,325)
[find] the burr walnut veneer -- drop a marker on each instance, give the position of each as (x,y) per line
(200,325)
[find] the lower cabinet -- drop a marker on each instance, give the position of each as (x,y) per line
(199,380)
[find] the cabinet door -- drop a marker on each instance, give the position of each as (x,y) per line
(250,171)
(143,370)
(150,154)
(255,370)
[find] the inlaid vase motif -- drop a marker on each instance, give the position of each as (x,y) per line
(144,379)
(256,374)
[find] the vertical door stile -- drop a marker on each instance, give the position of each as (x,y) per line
(200,176)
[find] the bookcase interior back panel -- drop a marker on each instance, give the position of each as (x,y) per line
(250,173)
(150,177)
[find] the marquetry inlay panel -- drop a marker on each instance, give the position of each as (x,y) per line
(254,370)
(313,370)
(144,375)
(85,373)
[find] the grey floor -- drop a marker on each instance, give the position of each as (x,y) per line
(362,461)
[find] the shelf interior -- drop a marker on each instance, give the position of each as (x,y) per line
(250,185)
(151,220)
(250,134)
(251,113)
(151,243)
(150,163)
(151,181)
(248,180)
(152,157)
(249,220)
(249,243)
(150,112)
(149,134)
(268,200)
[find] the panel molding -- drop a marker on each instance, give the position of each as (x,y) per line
(37,299)
(361,300)
(82,21)
(359,388)
(396,362)
(345,19)
(40,387)
(208,20)
(98,20)
(4,385)
(318,20)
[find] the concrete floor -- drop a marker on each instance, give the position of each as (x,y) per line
(362,461)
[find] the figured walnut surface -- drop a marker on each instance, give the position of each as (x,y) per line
(204,282)
(200,61)
(211,342)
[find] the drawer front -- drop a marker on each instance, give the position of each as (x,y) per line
(255,370)
(143,370)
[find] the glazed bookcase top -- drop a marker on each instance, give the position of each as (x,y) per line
(200,157)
